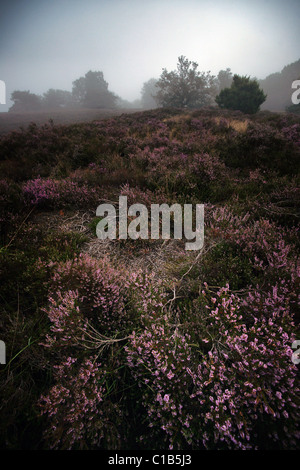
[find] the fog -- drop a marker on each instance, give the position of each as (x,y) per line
(49,44)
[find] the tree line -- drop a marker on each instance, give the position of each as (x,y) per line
(187,87)
(184,87)
(90,91)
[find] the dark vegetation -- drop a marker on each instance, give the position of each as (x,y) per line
(128,344)
(243,95)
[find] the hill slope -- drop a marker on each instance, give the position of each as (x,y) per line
(141,344)
(278,87)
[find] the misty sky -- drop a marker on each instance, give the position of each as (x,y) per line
(50,43)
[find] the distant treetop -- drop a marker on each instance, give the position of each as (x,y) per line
(91,91)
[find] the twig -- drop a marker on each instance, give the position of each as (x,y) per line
(16,233)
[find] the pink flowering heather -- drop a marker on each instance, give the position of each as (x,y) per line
(58,193)
(66,318)
(101,303)
(266,245)
(227,383)
(200,358)
(96,291)
(136,195)
(79,417)
(91,176)
(173,170)
(292,134)
(246,383)
(89,290)
(158,358)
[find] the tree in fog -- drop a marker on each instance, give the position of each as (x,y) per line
(91,91)
(148,93)
(57,98)
(185,87)
(243,95)
(125,104)
(224,79)
(25,101)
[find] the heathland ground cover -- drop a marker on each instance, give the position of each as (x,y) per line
(140,344)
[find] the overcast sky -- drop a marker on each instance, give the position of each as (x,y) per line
(50,43)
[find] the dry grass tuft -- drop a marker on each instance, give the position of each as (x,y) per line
(239,126)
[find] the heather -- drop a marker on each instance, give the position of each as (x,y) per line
(140,344)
